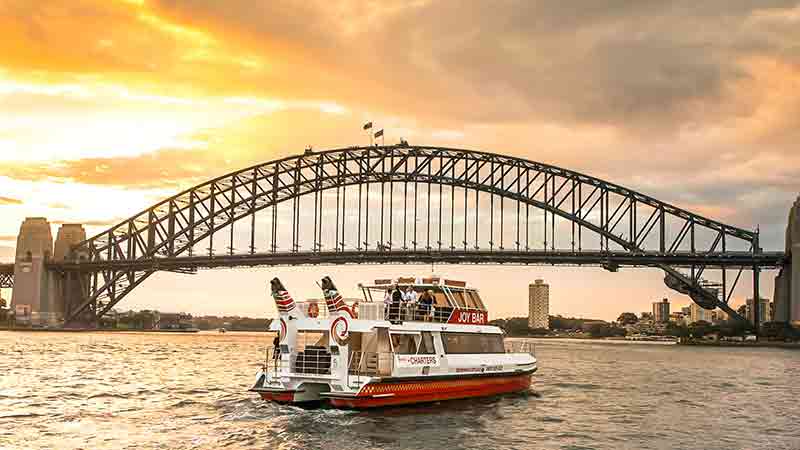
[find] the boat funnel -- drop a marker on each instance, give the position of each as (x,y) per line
(283,300)
(333,299)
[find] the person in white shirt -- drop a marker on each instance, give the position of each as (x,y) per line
(409,302)
(410,295)
(387,302)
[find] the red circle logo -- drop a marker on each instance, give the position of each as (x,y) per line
(340,330)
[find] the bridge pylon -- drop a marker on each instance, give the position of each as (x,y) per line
(787,282)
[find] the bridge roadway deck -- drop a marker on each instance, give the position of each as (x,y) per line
(730,260)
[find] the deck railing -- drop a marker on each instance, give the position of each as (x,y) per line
(363,365)
(404,312)
(309,361)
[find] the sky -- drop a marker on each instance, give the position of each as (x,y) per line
(107,106)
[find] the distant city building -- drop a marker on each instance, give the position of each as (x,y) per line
(646,316)
(676,317)
(538,305)
(764,311)
(697,314)
(661,311)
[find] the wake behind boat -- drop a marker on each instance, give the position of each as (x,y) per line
(411,340)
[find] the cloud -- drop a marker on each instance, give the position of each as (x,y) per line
(253,140)
(696,104)
(655,65)
(102,223)
(10,201)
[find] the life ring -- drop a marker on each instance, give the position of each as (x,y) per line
(340,330)
(313,310)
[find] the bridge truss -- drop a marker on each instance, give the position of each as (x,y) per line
(411,204)
(6,276)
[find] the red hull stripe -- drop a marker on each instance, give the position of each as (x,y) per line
(386,394)
(278,397)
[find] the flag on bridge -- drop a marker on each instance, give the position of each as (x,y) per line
(368,125)
(379,133)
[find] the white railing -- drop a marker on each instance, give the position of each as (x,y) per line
(319,309)
(273,361)
(364,365)
(404,312)
(310,361)
(416,312)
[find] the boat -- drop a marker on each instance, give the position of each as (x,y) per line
(222,330)
(364,353)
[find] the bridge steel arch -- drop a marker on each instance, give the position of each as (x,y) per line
(627,226)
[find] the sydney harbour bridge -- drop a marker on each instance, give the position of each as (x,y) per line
(400,204)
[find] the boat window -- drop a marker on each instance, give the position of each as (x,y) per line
(476,300)
(439,298)
(404,344)
(470,300)
(472,343)
(311,339)
(426,344)
(458,296)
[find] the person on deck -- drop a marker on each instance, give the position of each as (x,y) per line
(276,347)
(424,305)
(410,299)
(397,300)
(387,303)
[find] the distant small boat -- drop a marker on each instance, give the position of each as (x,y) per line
(223,330)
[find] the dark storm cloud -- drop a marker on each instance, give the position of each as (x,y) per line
(650,64)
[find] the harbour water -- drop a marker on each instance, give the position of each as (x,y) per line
(175,391)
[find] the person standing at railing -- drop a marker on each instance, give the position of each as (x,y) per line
(410,299)
(397,300)
(424,305)
(276,347)
(387,304)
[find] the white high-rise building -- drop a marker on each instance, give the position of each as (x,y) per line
(698,314)
(539,305)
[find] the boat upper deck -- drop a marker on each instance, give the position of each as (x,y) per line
(432,299)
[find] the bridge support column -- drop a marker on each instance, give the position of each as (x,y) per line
(756,299)
(32,299)
(787,283)
(793,252)
(75,292)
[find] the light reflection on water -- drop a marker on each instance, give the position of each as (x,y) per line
(179,391)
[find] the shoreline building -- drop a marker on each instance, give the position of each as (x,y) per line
(764,310)
(661,311)
(539,305)
(698,314)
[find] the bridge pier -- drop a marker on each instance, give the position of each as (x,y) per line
(40,294)
(787,283)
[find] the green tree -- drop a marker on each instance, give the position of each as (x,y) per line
(699,329)
(605,330)
(627,318)
(676,330)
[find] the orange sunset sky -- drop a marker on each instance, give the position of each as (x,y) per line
(109,106)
